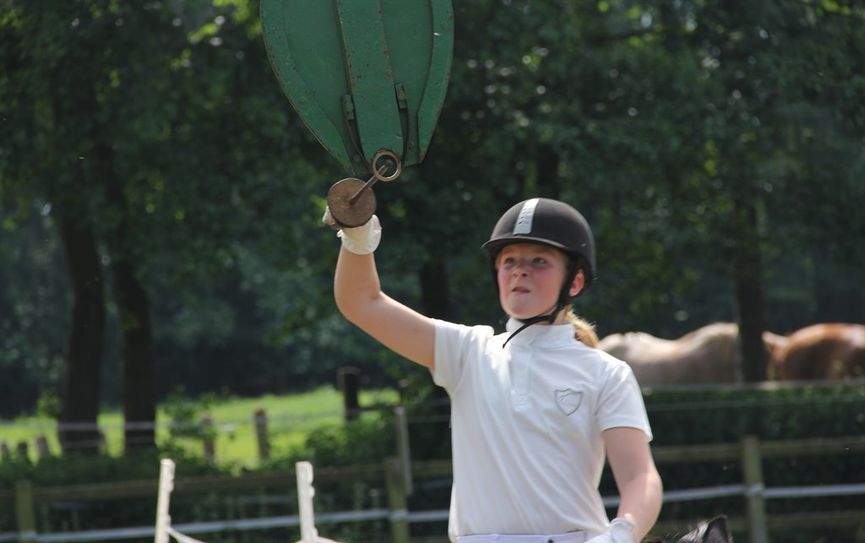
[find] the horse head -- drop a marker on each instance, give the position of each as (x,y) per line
(710,531)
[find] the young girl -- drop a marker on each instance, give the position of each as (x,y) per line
(533,409)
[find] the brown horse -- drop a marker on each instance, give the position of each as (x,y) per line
(710,354)
(822,351)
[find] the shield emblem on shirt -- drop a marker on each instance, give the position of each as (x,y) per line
(568,400)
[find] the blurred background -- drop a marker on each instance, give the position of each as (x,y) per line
(161,251)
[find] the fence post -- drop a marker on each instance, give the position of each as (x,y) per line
(402,391)
(348,378)
(754,487)
(207,437)
(375,501)
(5,452)
(24,516)
(397,503)
(22,450)
(262,435)
(42,448)
(403,447)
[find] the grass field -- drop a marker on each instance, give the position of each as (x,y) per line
(290,418)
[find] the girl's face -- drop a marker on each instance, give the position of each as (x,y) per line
(530,278)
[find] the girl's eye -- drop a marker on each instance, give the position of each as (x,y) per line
(534,262)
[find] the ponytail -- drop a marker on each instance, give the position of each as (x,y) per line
(584,331)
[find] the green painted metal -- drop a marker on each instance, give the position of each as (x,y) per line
(364,75)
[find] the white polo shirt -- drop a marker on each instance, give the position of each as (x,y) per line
(526,423)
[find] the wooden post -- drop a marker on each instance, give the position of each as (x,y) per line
(402,391)
(754,487)
(262,435)
(403,448)
(24,515)
(42,448)
(22,451)
(375,502)
(5,453)
(348,378)
(207,437)
(397,503)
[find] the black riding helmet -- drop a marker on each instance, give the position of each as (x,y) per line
(548,222)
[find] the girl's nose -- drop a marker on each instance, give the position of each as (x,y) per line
(521,267)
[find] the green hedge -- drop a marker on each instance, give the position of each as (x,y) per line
(725,414)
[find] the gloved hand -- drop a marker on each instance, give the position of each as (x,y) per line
(361,240)
(621,530)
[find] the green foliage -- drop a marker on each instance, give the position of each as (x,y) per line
(73,469)
(185,416)
(358,442)
(290,418)
(727,414)
(661,121)
(363,439)
(33,309)
(48,405)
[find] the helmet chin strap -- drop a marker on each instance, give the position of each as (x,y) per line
(550,318)
(560,304)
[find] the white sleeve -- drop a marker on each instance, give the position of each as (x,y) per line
(621,402)
(454,346)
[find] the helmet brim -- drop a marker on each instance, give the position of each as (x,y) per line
(493,246)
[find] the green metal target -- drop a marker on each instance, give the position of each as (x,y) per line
(365,76)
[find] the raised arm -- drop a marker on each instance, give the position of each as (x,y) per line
(359,297)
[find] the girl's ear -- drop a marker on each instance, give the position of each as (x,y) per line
(578,283)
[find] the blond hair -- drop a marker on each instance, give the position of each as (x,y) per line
(584,331)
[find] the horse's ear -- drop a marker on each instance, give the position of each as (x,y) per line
(716,531)
(712,531)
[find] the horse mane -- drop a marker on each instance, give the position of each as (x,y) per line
(712,531)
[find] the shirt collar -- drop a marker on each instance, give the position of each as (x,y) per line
(549,334)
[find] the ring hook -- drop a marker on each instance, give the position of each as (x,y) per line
(378,171)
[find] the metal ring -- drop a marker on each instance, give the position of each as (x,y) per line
(386,153)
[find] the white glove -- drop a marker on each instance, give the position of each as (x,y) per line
(621,530)
(361,240)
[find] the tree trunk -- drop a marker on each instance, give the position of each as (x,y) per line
(81,380)
(435,300)
(749,292)
(133,307)
(435,303)
(136,355)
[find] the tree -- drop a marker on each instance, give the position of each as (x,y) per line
(119,114)
(712,149)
